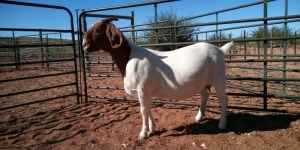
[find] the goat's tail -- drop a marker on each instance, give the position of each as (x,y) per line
(225,48)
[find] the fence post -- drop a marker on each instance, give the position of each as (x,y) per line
(47,52)
(245,46)
(265,86)
(230,36)
(16,51)
(155,17)
(295,45)
(132,27)
(42,49)
(271,42)
(217,19)
(285,46)
(62,51)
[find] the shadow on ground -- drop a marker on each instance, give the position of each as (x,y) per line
(239,123)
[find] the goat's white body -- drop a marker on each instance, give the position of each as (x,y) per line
(177,74)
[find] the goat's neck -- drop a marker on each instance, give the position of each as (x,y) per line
(121,56)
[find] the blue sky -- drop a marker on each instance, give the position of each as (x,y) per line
(28,17)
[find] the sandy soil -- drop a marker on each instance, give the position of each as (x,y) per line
(115,124)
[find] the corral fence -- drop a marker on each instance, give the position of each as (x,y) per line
(255,67)
(32,61)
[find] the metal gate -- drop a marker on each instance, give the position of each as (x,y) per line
(35,63)
(100,64)
(103,82)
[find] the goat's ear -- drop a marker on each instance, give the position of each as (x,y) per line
(109,20)
(114,35)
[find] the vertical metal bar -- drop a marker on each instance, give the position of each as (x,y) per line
(217,26)
(258,49)
(265,55)
(74,56)
(295,45)
(132,27)
(155,19)
(47,52)
(271,42)
(15,49)
(82,28)
(42,49)
(78,70)
(245,46)
(285,47)
(62,51)
(18,54)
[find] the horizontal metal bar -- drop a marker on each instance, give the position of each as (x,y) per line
(260,55)
(106,16)
(129,5)
(279,95)
(240,27)
(103,75)
(260,68)
(36,90)
(38,34)
(38,101)
(246,89)
(34,4)
(286,83)
(35,45)
(35,62)
(35,30)
(221,41)
(106,87)
(261,79)
(99,62)
(39,76)
(138,25)
(261,60)
(257,93)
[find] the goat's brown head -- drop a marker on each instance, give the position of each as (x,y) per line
(102,35)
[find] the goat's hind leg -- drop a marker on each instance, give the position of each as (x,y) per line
(220,89)
(204,98)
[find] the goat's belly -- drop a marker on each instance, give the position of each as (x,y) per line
(176,94)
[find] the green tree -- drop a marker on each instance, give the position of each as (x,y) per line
(275,31)
(166,19)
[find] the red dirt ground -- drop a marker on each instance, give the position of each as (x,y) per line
(115,124)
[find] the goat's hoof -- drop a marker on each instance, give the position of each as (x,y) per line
(198,118)
(151,132)
(222,124)
(143,135)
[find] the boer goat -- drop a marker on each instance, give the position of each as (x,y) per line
(177,74)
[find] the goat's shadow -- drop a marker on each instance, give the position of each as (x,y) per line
(239,124)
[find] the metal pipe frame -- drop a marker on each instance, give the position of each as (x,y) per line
(75,72)
(82,28)
(266,21)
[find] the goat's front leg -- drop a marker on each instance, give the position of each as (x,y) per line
(151,122)
(148,122)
